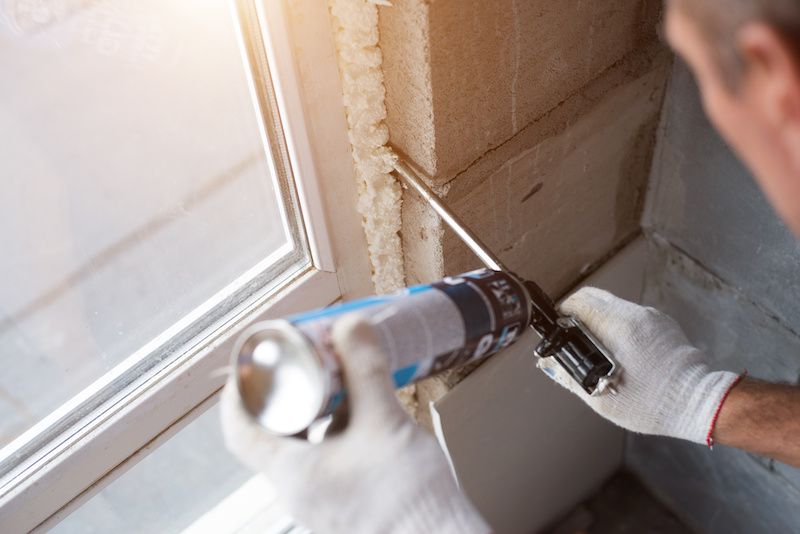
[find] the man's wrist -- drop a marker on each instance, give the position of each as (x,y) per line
(762,418)
(724,414)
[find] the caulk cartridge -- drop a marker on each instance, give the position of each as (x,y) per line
(289,376)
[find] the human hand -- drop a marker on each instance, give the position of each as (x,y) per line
(381,474)
(665,386)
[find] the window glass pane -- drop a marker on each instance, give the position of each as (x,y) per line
(136,186)
(189,484)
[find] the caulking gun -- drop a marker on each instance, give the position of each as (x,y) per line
(563,338)
(290,378)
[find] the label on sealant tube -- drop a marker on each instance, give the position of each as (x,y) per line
(426,329)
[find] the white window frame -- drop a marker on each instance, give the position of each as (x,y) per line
(302,63)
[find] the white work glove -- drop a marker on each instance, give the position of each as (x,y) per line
(382,474)
(665,386)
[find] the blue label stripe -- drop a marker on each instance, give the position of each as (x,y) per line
(356,305)
(340,309)
(418,289)
(404,376)
(337,399)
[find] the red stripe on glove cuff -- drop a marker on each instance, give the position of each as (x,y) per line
(709,438)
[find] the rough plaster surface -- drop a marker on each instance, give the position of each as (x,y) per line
(355,26)
(723,265)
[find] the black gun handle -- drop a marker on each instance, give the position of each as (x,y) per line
(582,355)
(571,344)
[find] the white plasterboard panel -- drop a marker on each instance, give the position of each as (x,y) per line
(524,449)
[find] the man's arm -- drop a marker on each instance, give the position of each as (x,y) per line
(762,418)
(666,387)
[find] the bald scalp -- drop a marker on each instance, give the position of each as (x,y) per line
(719,21)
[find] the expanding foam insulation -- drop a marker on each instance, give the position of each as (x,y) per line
(356,34)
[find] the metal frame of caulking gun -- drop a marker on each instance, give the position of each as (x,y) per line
(564,338)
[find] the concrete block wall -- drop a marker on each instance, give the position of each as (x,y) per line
(564,193)
(535,119)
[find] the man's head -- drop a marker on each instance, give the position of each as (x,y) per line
(745,55)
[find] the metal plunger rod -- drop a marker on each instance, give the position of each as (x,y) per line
(413,180)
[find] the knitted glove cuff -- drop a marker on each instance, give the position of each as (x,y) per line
(703,405)
(710,434)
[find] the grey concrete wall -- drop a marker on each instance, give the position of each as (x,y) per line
(726,268)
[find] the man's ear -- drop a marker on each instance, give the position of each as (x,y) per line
(772,73)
